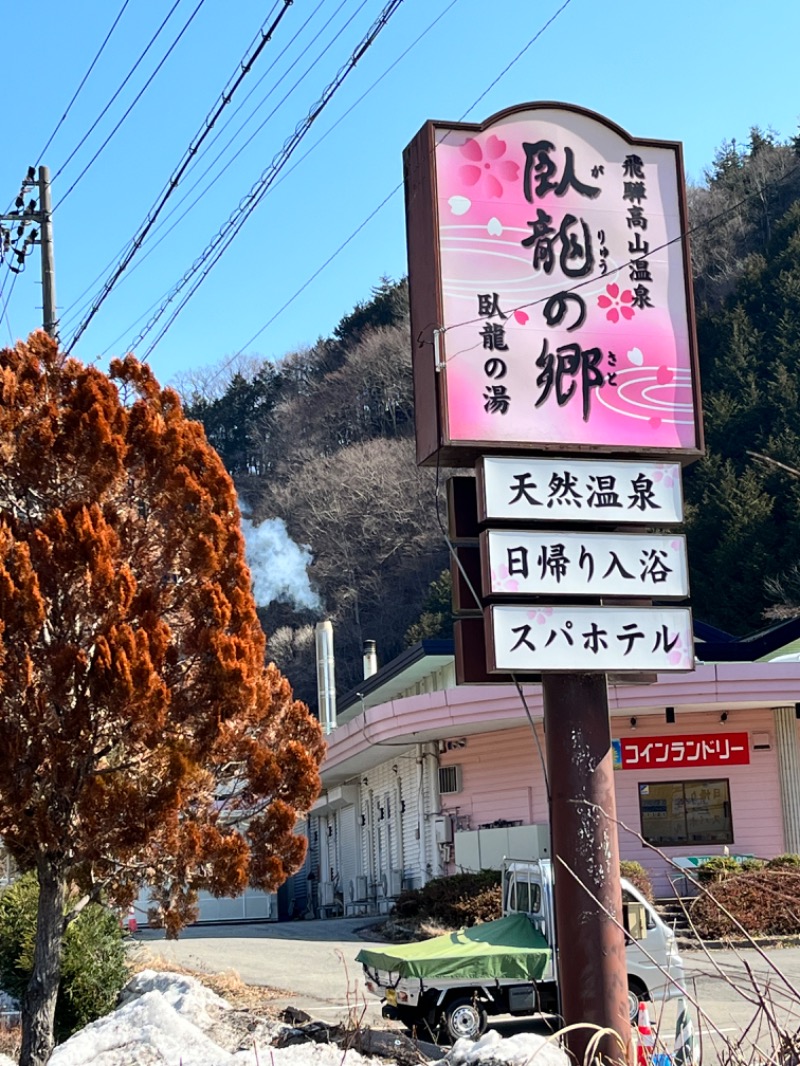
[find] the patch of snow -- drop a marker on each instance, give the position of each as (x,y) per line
(146,1031)
(168,1019)
(517,1050)
(6,1061)
(186,995)
(308,1055)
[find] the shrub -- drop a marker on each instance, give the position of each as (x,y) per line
(454,901)
(764,902)
(784,862)
(638,877)
(93,968)
(749,865)
(468,898)
(718,869)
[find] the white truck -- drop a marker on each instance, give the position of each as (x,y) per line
(451,984)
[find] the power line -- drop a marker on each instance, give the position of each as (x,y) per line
(249,140)
(284,176)
(77,92)
(227,95)
(261,103)
(135,100)
(516,59)
(125,81)
(681,236)
(283,99)
(92,128)
(6,302)
(397,187)
(83,81)
(375,211)
(313,277)
(227,233)
(68,313)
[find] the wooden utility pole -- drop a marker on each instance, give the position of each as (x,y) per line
(592,967)
(50,319)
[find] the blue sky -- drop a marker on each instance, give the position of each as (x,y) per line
(700,72)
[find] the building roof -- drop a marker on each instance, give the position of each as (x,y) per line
(398,725)
(712,646)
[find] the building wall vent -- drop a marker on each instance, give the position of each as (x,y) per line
(449,780)
(760,741)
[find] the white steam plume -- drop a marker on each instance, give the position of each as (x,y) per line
(277,564)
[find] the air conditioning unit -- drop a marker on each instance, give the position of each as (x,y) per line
(395,882)
(326,893)
(361,886)
(449,780)
(443,828)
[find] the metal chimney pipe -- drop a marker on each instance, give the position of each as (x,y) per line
(370,658)
(326,679)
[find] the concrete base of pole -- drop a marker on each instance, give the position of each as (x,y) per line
(592,968)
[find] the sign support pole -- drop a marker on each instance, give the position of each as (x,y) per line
(592,967)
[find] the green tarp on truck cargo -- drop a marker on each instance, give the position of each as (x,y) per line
(509,949)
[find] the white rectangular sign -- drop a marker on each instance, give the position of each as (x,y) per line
(571,639)
(550,563)
(579,490)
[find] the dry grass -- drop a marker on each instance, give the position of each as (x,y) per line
(405,930)
(266,1001)
(10,1040)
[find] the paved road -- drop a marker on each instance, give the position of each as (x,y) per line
(314,962)
(730,984)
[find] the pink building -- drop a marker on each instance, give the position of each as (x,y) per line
(423,777)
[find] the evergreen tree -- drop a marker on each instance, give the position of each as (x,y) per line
(744,527)
(236,421)
(436,619)
(144,738)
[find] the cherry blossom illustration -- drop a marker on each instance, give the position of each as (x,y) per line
(678,653)
(459,205)
(667,474)
(502,581)
(616,302)
(487,170)
(540,615)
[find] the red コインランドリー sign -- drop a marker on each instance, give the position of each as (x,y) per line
(684,752)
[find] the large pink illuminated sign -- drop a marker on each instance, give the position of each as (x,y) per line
(551,304)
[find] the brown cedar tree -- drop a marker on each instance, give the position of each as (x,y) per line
(144,738)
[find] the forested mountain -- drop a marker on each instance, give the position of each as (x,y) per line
(744,511)
(323,438)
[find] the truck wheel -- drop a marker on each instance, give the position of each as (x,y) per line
(635,995)
(464,1018)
